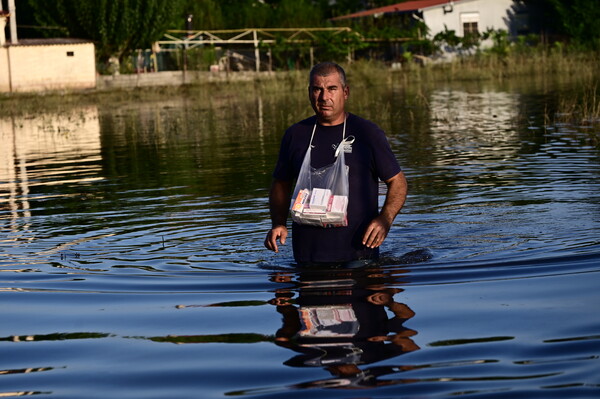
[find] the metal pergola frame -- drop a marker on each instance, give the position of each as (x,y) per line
(189,39)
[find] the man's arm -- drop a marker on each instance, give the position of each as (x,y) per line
(279,202)
(395,197)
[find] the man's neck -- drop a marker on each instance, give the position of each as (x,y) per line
(335,122)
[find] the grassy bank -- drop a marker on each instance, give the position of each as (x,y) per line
(492,66)
(549,70)
(578,69)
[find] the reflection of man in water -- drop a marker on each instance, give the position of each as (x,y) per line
(341,324)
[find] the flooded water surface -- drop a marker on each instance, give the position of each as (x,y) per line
(132,263)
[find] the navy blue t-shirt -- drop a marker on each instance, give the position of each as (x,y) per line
(369,160)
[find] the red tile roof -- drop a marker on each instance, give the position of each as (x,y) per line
(399,7)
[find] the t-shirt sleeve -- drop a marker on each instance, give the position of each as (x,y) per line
(283,168)
(385,162)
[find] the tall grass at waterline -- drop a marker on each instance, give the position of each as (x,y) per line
(413,78)
(582,109)
(54,101)
(492,66)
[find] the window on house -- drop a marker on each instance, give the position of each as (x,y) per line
(470,23)
(470,28)
(70,53)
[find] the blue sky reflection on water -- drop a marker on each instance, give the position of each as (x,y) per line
(132,265)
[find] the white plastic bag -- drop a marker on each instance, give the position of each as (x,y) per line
(321,194)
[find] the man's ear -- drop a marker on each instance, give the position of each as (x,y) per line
(346,92)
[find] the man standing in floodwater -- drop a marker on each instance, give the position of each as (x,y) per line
(369,158)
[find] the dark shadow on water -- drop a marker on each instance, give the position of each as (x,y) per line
(409,258)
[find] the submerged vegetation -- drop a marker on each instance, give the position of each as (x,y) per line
(582,109)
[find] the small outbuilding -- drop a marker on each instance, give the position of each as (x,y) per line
(47,64)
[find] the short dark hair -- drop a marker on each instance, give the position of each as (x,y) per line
(326,68)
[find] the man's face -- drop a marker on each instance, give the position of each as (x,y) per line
(328,97)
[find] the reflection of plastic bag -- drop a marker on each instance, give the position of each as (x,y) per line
(330,321)
(321,195)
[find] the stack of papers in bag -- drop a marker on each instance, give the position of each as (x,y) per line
(301,200)
(319,200)
(338,204)
(320,208)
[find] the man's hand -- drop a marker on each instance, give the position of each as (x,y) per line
(376,232)
(276,233)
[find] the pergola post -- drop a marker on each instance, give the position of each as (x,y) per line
(256,51)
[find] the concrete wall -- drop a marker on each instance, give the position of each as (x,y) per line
(492,14)
(166,78)
(49,67)
(176,78)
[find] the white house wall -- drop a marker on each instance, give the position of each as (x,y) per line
(492,14)
(4,71)
(49,67)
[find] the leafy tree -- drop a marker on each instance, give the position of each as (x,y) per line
(449,40)
(448,37)
(297,13)
(207,14)
(501,43)
(246,14)
(336,46)
(579,21)
(116,26)
(575,20)
(237,14)
(343,7)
